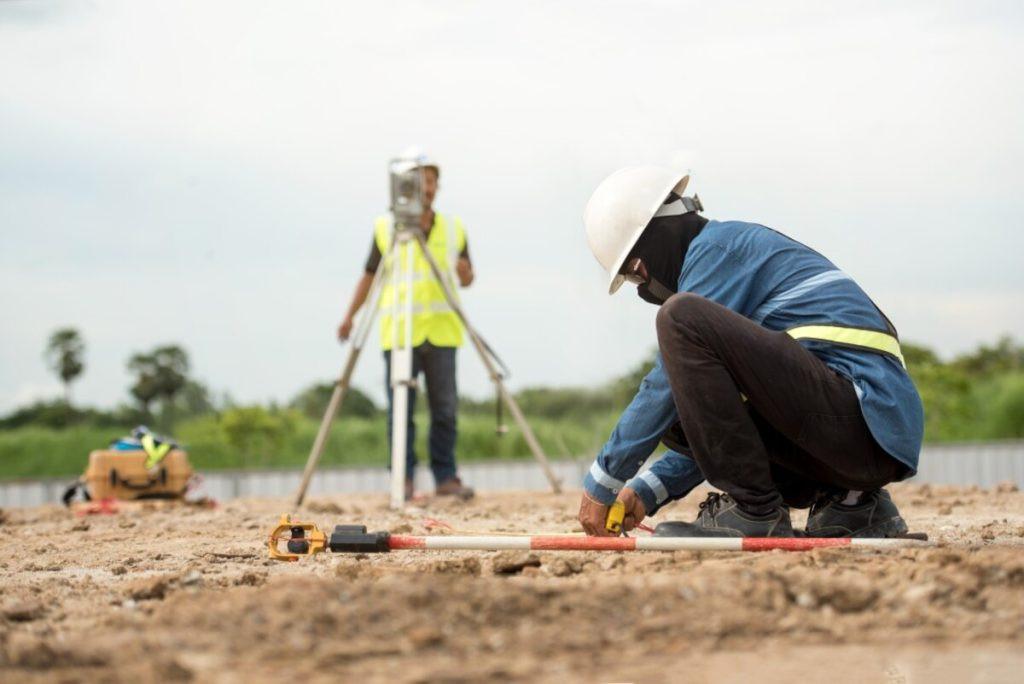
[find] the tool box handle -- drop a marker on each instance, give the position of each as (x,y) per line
(116,480)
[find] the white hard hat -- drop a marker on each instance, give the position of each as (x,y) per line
(621,207)
(417,156)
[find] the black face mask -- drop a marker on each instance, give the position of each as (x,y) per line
(662,247)
(654,292)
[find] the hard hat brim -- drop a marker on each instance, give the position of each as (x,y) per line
(617,279)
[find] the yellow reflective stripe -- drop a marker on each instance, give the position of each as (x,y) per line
(856,337)
(432,307)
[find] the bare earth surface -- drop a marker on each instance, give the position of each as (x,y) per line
(187,594)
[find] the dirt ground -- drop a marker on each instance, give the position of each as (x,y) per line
(188,594)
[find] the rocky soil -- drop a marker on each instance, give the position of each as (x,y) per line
(164,593)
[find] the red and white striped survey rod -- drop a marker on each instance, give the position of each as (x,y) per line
(305,538)
(397,542)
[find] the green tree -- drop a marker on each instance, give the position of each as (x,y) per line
(312,402)
(1006,356)
(191,401)
(160,374)
(64,352)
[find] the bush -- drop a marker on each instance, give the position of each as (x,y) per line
(256,434)
(1006,411)
(312,402)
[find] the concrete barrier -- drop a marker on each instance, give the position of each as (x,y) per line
(983,463)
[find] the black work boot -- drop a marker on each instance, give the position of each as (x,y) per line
(875,515)
(720,516)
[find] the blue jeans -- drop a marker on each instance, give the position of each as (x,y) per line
(438,367)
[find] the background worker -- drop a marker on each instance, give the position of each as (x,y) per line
(436,329)
(778,379)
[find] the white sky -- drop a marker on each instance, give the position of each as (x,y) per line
(206,173)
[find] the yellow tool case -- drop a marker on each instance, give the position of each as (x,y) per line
(123,475)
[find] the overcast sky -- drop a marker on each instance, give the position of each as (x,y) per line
(206,173)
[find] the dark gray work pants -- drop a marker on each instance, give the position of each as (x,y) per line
(438,367)
(800,431)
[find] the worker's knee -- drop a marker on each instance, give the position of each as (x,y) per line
(684,312)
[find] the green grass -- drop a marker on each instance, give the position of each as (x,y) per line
(30,452)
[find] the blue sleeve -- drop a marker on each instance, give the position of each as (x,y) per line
(634,438)
(715,273)
(672,477)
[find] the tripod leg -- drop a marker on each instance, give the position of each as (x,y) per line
(531,440)
(485,357)
(401,371)
(358,341)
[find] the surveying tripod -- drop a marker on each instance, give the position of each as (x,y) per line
(405,238)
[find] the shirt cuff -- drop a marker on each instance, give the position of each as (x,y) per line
(601,486)
(650,490)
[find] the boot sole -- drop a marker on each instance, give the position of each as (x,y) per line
(893,527)
(887,529)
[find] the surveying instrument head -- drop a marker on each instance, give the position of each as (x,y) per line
(406,192)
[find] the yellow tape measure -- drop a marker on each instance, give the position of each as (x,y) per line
(616,514)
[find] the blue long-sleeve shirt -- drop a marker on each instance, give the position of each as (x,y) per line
(779,284)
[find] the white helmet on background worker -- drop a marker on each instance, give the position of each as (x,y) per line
(421,159)
(620,209)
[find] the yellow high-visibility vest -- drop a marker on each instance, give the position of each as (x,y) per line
(858,338)
(433,320)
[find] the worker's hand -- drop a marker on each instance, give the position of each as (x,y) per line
(464,270)
(593,515)
(345,329)
(635,512)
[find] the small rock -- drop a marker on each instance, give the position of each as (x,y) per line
(464,566)
(251,579)
(425,637)
(853,597)
(82,526)
(348,569)
(564,567)
(805,600)
(150,588)
(513,562)
(118,570)
(1007,487)
(26,611)
(192,579)
(172,671)
(612,562)
(918,593)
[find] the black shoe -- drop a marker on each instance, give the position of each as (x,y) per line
(720,516)
(874,516)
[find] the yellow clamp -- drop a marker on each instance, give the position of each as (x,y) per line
(312,539)
(616,514)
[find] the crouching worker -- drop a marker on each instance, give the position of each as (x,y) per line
(778,379)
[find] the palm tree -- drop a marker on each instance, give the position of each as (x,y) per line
(63,354)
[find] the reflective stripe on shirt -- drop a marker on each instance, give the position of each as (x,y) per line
(804,287)
(872,340)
